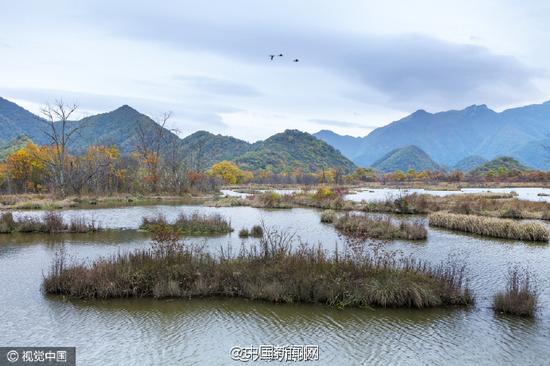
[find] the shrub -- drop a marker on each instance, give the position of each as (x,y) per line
(53,222)
(363,227)
(270,200)
(193,224)
(7,223)
(488,226)
(520,297)
(50,222)
(324,193)
(257,231)
(512,213)
(328,216)
(244,233)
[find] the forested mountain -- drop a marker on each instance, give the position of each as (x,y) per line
(503,164)
(348,145)
(202,148)
(469,163)
(453,135)
(121,127)
(126,128)
(16,121)
(293,149)
(405,158)
(17,143)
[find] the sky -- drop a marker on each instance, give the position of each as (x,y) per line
(362,64)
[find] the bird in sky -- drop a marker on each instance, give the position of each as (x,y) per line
(280,55)
(295,60)
(271,57)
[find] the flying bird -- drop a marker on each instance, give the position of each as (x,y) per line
(295,60)
(280,55)
(271,57)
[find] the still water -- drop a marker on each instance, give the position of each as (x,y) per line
(188,332)
(380,194)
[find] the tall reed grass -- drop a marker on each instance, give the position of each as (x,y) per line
(191,224)
(488,226)
(50,222)
(364,226)
(274,270)
(520,297)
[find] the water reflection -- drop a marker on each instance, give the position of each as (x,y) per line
(172,332)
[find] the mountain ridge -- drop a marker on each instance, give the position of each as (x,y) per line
(404,159)
(281,152)
(449,136)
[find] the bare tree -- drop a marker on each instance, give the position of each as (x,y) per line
(60,132)
(149,145)
(176,163)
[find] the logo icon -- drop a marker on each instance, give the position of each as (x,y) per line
(12,356)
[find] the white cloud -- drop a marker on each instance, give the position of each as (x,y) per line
(363,63)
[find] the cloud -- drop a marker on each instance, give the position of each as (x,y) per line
(330,122)
(217,86)
(407,69)
(185,117)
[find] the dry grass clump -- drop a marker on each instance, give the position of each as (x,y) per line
(520,297)
(488,226)
(192,224)
(273,270)
(50,222)
(244,233)
(328,216)
(512,213)
(364,227)
(256,231)
(270,200)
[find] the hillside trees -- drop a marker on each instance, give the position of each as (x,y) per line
(230,173)
(60,132)
(148,149)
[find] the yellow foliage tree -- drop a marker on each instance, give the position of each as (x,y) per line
(230,173)
(26,167)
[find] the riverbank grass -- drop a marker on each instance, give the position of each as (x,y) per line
(270,271)
(365,227)
(190,224)
(50,223)
(520,297)
(493,227)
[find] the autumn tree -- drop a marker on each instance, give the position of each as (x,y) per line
(230,173)
(25,167)
(149,144)
(60,132)
(95,170)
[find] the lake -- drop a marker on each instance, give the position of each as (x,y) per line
(381,194)
(202,331)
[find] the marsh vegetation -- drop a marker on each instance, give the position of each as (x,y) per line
(493,227)
(50,222)
(275,269)
(520,296)
(189,224)
(362,226)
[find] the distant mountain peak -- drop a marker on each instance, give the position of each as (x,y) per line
(476,108)
(126,109)
(419,113)
(405,158)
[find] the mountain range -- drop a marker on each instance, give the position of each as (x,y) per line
(283,152)
(405,158)
(451,140)
(450,136)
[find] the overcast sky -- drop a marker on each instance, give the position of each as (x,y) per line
(362,64)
